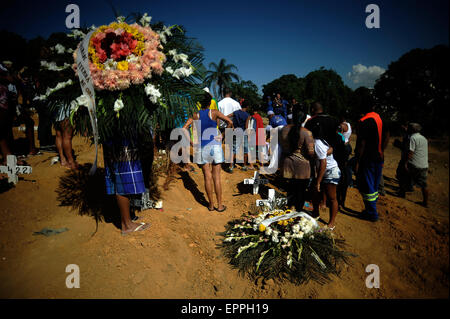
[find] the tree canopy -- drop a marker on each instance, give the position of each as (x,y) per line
(248,91)
(220,76)
(415,88)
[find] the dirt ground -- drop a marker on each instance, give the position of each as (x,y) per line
(178,258)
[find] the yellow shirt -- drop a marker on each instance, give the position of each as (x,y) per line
(212,106)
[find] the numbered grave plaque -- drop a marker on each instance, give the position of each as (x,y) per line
(13,170)
(255,181)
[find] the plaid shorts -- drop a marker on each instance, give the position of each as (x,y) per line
(124,178)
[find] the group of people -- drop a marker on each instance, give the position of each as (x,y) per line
(315,152)
(17,102)
(313,148)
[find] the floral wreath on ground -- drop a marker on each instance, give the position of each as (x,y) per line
(278,243)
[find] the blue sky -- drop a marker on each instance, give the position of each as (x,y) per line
(266,39)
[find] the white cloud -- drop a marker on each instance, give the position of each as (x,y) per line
(362,75)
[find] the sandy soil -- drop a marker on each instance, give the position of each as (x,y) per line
(177,257)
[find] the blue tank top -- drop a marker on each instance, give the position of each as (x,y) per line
(207,124)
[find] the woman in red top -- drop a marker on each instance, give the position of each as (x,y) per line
(260,133)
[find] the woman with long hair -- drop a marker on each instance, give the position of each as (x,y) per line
(209,153)
(297,146)
(327,178)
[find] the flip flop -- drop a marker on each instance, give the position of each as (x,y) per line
(222,210)
(137,229)
(211,209)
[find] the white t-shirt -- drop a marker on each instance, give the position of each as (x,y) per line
(419,146)
(227,106)
(321,151)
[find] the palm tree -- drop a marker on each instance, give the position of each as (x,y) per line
(220,76)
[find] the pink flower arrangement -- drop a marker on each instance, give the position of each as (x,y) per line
(121,55)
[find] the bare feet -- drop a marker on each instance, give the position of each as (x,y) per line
(65,164)
(134,227)
(74,165)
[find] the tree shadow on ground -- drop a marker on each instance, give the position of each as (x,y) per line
(192,186)
(86,194)
(5,186)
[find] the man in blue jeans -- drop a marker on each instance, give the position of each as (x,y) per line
(369,158)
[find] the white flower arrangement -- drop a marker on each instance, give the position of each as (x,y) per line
(289,238)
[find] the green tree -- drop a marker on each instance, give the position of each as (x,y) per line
(289,86)
(220,76)
(248,91)
(416,88)
(327,87)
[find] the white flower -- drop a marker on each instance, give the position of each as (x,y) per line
(162,37)
(49,91)
(132,58)
(167,31)
(275,238)
(74,106)
(284,239)
(118,105)
(268,231)
(145,20)
(53,67)
(120,18)
(59,48)
(82,100)
(76,34)
(182,72)
(180,57)
(289,259)
(152,92)
(172,52)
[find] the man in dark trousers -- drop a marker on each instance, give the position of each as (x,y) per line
(370,143)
